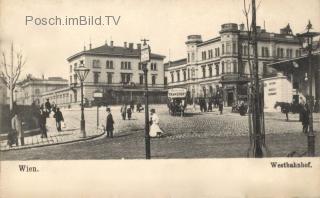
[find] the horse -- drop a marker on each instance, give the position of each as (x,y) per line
(286,108)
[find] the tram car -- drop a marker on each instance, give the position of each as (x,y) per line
(177,101)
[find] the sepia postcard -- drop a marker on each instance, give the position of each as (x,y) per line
(160,98)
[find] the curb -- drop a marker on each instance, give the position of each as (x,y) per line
(58,143)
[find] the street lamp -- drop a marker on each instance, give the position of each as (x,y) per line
(82,73)
(306,39)
(144,59)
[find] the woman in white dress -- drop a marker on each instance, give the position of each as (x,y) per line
(155,130)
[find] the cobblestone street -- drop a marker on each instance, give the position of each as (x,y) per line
(197,135)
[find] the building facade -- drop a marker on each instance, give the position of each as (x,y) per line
(117,73)
(222,63)
(32,89)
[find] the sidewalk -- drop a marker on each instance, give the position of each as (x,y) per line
(68,134)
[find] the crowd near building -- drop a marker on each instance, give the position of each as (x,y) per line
(219,67)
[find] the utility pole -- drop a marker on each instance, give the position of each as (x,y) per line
(258,149)
(144,59)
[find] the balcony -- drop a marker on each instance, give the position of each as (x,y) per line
(234,78)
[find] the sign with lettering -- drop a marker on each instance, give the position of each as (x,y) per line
(145,53)
(97,95)
(177,93)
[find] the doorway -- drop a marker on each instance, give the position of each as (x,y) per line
(230,99)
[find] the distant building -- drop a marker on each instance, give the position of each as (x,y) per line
(116,72)
(221,63)
(31,89)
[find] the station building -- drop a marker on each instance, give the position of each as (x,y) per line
(221,63)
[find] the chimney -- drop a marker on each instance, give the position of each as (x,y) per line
(84,48)
(241,27)
(111,43)
(125,45)
(42,76)
(139,46)
(106,42)
(131,46)
(90,46)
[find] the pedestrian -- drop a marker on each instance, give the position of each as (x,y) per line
(59,118)
(43,121)
(139,107)
(132,105)
(221,107)
(48,106)
(129,112)
(210,105)
(109,123)
(305,118)
(16,124)
(123,111)
(155,130)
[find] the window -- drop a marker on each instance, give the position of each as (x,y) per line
(165,81)
(234,47)
(153,79)
(70,68)
(204,71)
(81,62)
(265,68)
(184,75)
(125,78)
(188,74)
(217,52)
(95,63)
(298,53)
(245,50)
(222,68)
(172,77)
(154,66)
(141,79)
(193,73)
(235,66)
(75,77)
(204,55)
(217,69)
(210,54)
(222,49)
(178,76)
(188,57)
(139,66)
(228,48)
(109,76)
(96,77)
(265,52)
(109,64)
(125,65)
(210,70)
(70,79)
(228,69)
(37,91)
(192,56)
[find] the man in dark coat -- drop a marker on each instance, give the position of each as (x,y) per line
(59,117)
(48,107)
(221,107)
(43,121)
(109,123)
(305,118)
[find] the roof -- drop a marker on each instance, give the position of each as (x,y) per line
(182,61)
(106,50)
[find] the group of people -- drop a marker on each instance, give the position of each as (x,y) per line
(154,129)
(207,106)
(39,115)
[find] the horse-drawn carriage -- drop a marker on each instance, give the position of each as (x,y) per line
(177,101)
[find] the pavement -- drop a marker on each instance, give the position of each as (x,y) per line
(70,133)
(195,125)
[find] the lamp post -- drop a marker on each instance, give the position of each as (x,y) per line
(144,59)
(82,73)
(307,38)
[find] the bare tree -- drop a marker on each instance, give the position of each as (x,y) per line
(10,72)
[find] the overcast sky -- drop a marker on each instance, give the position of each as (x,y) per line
(166,23)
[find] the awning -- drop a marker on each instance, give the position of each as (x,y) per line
(296,63)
